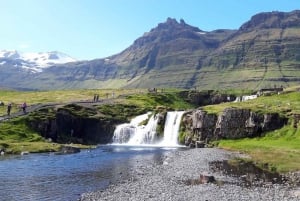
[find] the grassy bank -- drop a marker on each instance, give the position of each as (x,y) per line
(17,137)
(278,150)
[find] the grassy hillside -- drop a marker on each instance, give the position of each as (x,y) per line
(278,150)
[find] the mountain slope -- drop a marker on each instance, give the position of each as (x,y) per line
(167,56)
(263,52)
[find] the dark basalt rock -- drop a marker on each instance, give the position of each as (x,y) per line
(232,123)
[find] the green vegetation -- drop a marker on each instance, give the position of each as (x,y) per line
(121,105)
(59,96)
(16,137)
(284,104)
(121,112)
(279,149)
(172,101)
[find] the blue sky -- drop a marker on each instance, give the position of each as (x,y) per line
(89,29)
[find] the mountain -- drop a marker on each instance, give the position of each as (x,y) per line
(263,52)
(33,62)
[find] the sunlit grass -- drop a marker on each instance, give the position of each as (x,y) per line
(285,104)
(279,149)
(60,96)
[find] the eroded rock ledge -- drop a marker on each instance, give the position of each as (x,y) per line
(232,123)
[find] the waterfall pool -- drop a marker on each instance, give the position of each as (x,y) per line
(66,177)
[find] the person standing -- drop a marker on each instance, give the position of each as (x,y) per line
(24,106)
(8,109)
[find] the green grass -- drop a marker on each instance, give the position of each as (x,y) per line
(15,130)
(284,104)
(279,149)
(16,137)
(59,96)
(171,101)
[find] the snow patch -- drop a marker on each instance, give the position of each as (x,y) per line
(35,62)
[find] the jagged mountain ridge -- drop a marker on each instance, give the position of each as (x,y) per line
(263,52)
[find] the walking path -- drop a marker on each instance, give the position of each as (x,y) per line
(35,107)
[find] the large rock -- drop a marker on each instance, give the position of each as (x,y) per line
(67,126)
(232,123)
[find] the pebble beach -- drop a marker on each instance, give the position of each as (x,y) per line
(167,181)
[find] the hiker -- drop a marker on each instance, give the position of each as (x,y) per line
(8,109)
(24,106)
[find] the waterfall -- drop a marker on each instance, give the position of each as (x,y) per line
(245,98)
(144,134)
(171,129)
(134,134)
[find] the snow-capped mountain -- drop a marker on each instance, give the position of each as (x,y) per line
(34,62)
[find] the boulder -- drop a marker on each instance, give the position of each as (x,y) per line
(68,150)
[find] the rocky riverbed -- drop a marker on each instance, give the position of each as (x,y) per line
(177,178)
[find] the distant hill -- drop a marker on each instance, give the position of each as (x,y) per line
(263,52)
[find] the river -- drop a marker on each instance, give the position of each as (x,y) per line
(57,177)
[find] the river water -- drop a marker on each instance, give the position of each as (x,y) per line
(56,177)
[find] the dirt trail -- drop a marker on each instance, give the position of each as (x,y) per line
(32,108)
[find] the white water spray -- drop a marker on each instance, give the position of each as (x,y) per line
(133,134)
(171,129)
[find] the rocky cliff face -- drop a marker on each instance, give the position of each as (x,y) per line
(86,126)
(85,130)
(232,123)
(209,97)
(66,126)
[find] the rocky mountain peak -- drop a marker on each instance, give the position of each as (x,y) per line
(172,24)
(275,19)
(169,30)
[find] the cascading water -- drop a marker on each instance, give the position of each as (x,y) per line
(124,132)
(134,134)
(144,134)
(171,129)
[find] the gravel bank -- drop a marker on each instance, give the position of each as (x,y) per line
(166,182)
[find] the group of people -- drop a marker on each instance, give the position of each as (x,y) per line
(9,107)
(96,97)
